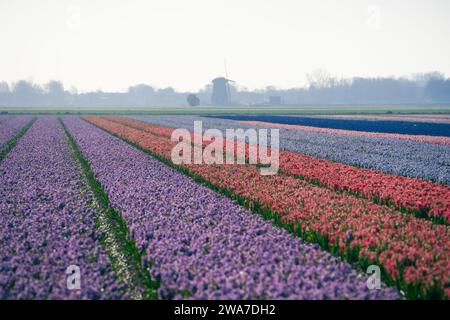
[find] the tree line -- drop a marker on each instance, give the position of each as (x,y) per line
(427,88)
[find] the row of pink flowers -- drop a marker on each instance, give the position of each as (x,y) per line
(431,118)
(418,138)
(414,252)
(422,197)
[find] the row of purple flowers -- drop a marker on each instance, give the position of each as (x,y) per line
(201,245)
(46,223)
(10,126)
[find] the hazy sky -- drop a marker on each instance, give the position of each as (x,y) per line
(110,44)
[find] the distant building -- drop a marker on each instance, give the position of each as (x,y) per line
(275,100)
(221,92)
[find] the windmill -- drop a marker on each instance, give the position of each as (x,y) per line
(221,94)
(228,82)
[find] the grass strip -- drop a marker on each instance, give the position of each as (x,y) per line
(305,109)
(122,250)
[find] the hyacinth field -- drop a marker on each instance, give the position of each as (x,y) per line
(102,193)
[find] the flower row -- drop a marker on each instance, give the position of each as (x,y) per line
(418,138)
(414,252)
(433,118)
(10,127)
(46,224)
(401,157)
(201,245)
(422,197)
(380,125)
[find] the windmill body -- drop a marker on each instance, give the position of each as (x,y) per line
(221,91)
